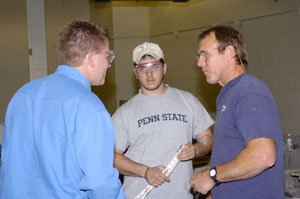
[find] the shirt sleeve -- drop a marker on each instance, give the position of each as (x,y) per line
(256,117)
(201,118)
(95,152)
(121,130)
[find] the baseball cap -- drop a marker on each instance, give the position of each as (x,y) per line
(147,49)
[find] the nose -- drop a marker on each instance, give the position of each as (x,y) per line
(201,61)
(149,71)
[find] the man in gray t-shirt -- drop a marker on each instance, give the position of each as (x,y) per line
(152,125)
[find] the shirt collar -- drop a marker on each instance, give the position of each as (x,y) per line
(74,74)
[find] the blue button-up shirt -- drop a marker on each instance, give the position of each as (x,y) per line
(58,142)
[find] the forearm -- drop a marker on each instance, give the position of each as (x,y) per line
(128,167)
(203,145)
(250,162)
(257,156)
(153,175)
(238,169)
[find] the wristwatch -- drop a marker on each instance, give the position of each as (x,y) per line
(213,175)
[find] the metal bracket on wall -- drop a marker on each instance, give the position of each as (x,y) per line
(30,51)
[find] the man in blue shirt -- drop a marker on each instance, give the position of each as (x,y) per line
(59,138)
(247,157)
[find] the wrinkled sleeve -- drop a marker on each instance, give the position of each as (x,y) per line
(95,152)
(256,117)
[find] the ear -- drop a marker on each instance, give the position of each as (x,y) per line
(90,59)
(165,68)
(136,75)
(230,52)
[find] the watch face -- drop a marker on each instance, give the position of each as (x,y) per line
(212,172)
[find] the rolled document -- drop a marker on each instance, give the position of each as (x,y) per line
(167,171)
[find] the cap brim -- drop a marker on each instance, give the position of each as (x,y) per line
(138,58)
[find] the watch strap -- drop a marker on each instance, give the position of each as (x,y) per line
(214,177)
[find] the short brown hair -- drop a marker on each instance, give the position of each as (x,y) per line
(227,35)
(79,38)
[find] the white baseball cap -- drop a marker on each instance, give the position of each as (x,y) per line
(147,49)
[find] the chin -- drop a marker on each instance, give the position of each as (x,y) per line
(210,81)
(151,87)
(99,83)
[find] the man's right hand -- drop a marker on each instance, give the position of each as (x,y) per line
(156,177)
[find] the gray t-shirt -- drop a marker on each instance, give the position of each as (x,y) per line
(153,128)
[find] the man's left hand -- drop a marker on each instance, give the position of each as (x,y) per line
(201,182)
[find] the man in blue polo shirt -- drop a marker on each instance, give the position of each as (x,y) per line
(59,138)
(247,157)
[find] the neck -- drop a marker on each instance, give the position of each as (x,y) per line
(84,71)
(232,73)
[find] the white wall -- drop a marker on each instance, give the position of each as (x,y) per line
(271,29)
(58,13)
(129,31)
(274,44)
(14,68)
